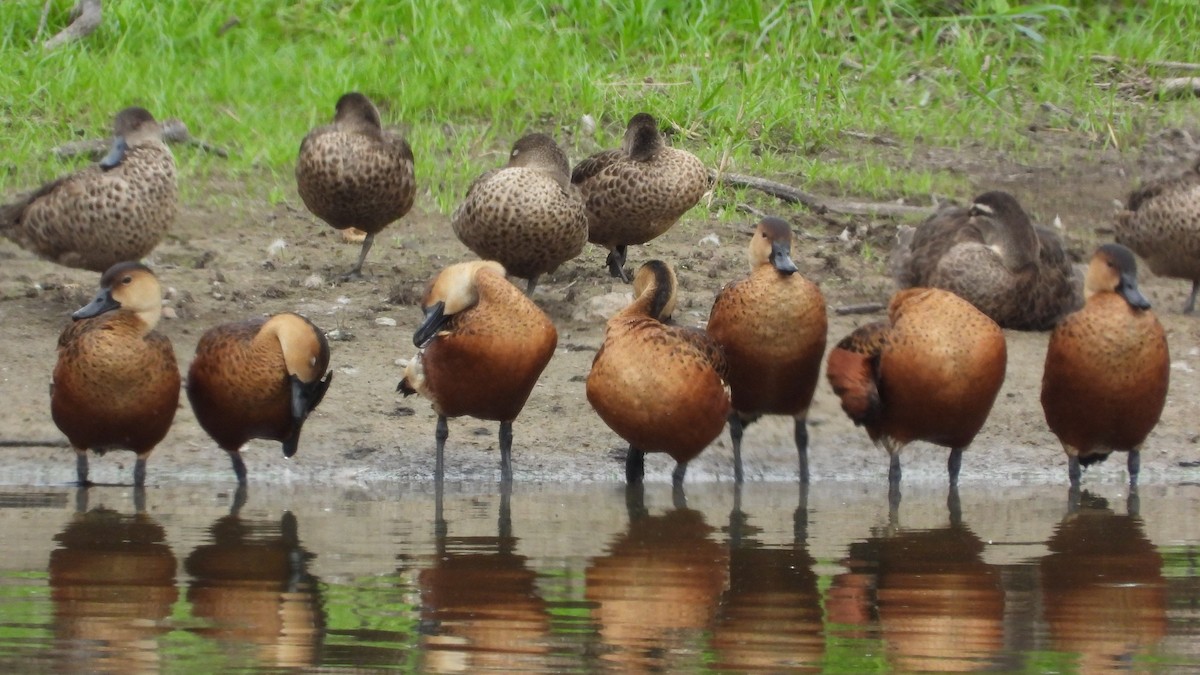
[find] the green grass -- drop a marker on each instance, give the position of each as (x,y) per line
(771,87)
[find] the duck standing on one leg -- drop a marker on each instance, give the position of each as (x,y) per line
(116,383)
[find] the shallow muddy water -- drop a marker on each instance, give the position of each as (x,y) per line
(559,577)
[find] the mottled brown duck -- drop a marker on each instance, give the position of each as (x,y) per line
(354,174)
(258,378)
(527,215)
(638,191)
(1107,368)
(1161,223)
(991,255)
(483,345)
(116,383)
(114,211)
(772,327)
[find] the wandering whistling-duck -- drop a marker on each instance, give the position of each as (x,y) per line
(483,346)
(354,174)
(991,255)
(116,384)
(258,378)
(527,215)
(110,212)
(637,192)
(1161,223)
(929,373)
(658,386)
(1107,367)
(772,327)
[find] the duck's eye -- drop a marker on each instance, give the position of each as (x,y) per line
(127,280)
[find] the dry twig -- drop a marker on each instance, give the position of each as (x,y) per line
(817,203)
(86,19)
(173,131)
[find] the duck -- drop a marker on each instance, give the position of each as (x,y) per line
(482,347)
(638,191)
(771,326)
(659,386)
(990,254)
(930,372)
(258,378)
(1107,368)
(1161,223)
(526,215)
(108,213)
(356,176)
(116,383)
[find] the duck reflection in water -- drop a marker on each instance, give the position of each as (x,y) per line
(480,607)
(938,605)
(252,588)
(771,617)
(656,592)
(1103,589)
(112,582)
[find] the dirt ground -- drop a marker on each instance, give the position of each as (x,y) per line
(234,253)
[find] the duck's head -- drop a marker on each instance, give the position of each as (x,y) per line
(772,245)
(129,286)
(356,109)
(541,153)
(131,127)
(450,292)
(654,287)
(1113,269)
(1006,229)
(642,138)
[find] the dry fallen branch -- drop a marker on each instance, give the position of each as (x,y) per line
(86,19)
(1171,65)
(817,203)
(865,308)
(1178,86)
(173,131)
(46,443)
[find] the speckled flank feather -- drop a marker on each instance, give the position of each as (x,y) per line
(239,383)
(1162,225)
(352,173)
(632,198)
(658,386)
(116,382)
(527,215)
(97,217)
(938,365)
(993,257)
(487,358)
(1107,371)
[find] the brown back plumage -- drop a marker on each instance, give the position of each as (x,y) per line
(1107,365)
(1161,223)
(240,383)
(931,373)
(993,257)
(107,213)
(487,357)
(526,215)
(353,173)
(116,383)
(771,327)
(660,387)
(639,191)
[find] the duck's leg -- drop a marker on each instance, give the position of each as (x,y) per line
(678,474)
(954,506)
(139,471)
(1191,301)
(802,445)
(139,499)
(616,262)
(1134,465)
(678,496)
(530,285)
(894,481)
(81,468)
(356,273)
(1073,470)
(440,435)
(635,466)
(736,429)
(953,465)
(506,452)
(239,467)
